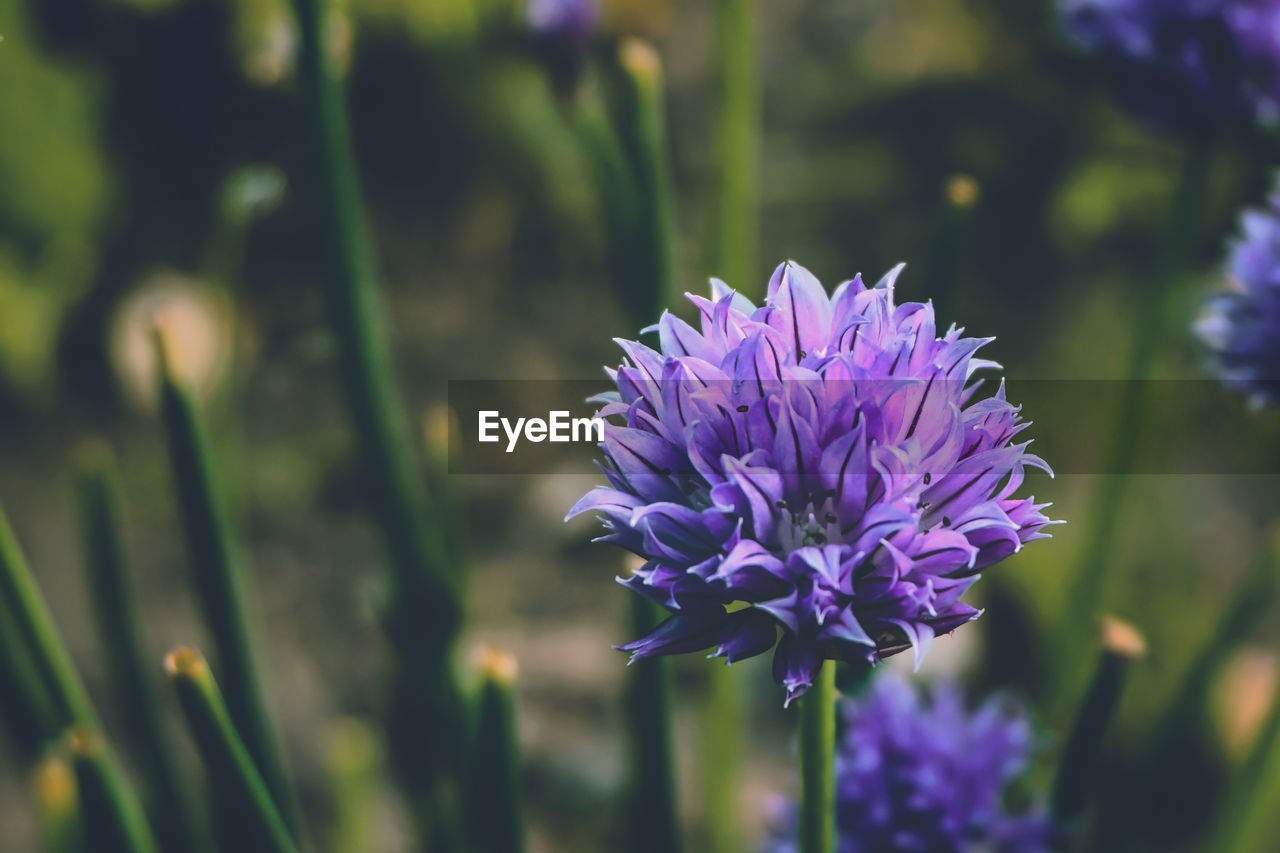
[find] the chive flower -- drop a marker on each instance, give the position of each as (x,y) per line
(1186,63)
(818,476)
(1241,325)
(926,773)
(571,22)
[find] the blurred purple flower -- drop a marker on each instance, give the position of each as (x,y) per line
(570,21)
(1242,326)
(816,467)
(1185,63)
(916,775)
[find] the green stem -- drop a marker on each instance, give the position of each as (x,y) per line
(817,763)
(654,823)
(33,626)
(735,205)
(1152,305)
(1249,604)
(354,756)
(723,734)
(1247,822)
(25,705)
(109,817)
(119,627)
(951,248)
(1121,644)
(38,641)
(641,130)
(425,604)
(495,811)
(216,575)
(247,808)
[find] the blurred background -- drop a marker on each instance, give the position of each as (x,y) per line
(151,156)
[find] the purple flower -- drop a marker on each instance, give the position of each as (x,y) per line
(1186,63)
(817,474)
(1242,326)
(572,22)
(915,775)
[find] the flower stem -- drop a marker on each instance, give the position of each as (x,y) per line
(722,730)
(1084,596)
(109,818)
(1245,822)
(216,573)
(247,809)
(25,706)
(1249,605)
(38,638)
(424,602)
(494,805)
(117,811)
(649,252)
(654,822)
(1121,644)
(119,626)
(735,203)
(817,763)
(354,756)
(950,251)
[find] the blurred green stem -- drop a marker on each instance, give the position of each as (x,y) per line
(1250,602)
(735,199)
(1151,305)
(723,736)
(951,249)
(25,705)
(649,260)
(120,629)
(37,636)
(109,818)
(817,763)
(216,574)
(425,608)
(1185,716)
(243,798)
(651,800)
(68,702)
(495,811)
(355,759)
(1121,644)
(1246,822)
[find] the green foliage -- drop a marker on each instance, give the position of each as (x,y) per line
(493,799)
(131,668)
(248,814)
(56,196)
(215,571)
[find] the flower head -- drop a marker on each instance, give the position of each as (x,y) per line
(1242,325)
(572,22)
(1186,62)
(917,774)
(817,475)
